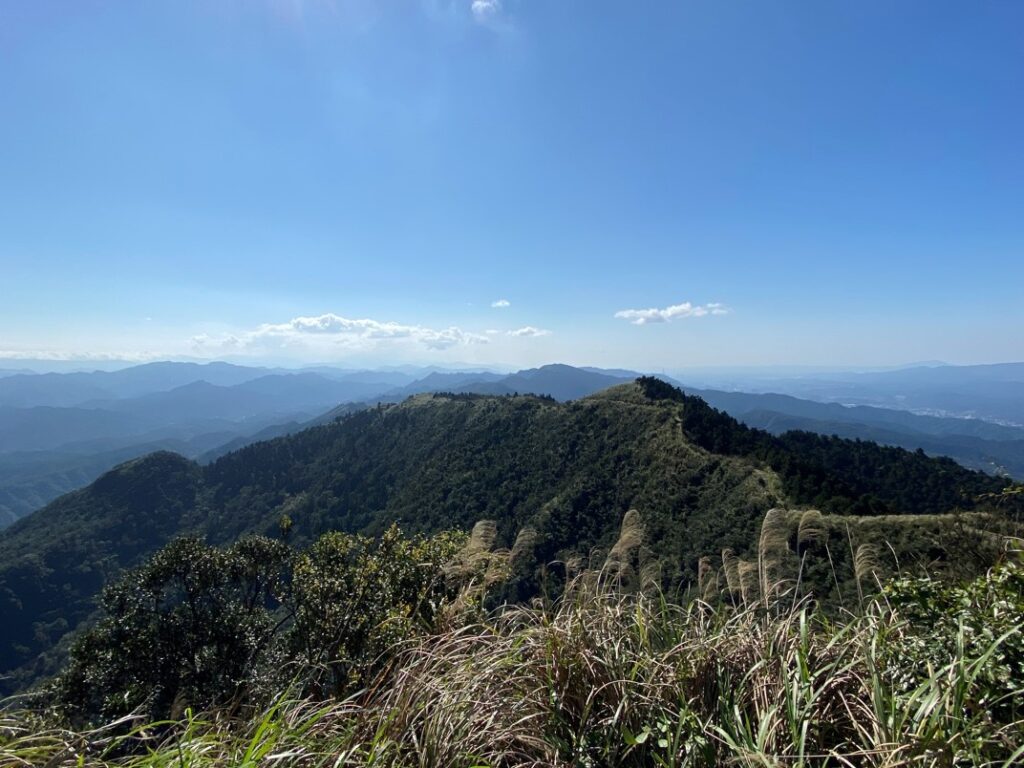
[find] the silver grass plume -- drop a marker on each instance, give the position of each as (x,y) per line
(732,572)
(650,570)
(524,545)
(748,577)
(811,530)
(866,564)
(478,567)
(707,580)
(476,553)
(631,536)
(482,537)
(772,549)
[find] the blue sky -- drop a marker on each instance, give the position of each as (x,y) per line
(652,185)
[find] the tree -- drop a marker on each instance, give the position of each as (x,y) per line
(186,629)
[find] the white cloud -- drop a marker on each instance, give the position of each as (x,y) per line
(485,10)
(529,332)
(501,304)
(330,330)
(674,312)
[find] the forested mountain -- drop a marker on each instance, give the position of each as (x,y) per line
(107,417)
(206,410)
(436,462)
(993,456)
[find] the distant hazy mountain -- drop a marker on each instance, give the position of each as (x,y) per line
(44,427)
(30,480)
(991,392)
(444,382)
(160,377)
(4,372)
(994,456)
(742,402)
(312,390)
(118,415)
(383,379)
(562,382)
(25,390)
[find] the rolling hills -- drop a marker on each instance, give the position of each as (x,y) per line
(72,427)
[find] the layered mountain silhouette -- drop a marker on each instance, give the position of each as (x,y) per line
(60,431)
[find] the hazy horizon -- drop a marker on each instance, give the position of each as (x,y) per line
(81,365)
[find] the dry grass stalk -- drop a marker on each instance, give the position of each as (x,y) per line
(730,565)
(867,565)
(631,536)
(772,551)
(524,545)
(811,531)
(750,580)
(707,580)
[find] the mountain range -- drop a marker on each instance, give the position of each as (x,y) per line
(59,431)
(987,392)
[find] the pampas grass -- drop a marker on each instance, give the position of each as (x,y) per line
(601,678)
(608,674)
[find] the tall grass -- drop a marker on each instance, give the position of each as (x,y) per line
(599,679)
(750,673)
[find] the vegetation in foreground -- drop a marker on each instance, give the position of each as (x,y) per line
(926,673)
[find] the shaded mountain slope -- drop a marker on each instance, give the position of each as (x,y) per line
(994,456)
(53,563)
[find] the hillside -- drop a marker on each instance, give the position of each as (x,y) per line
(975,443)
(993,456)
(569,470)
(205,411)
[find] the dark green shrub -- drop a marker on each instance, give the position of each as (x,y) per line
(201,626)
(357,598)
(186,628)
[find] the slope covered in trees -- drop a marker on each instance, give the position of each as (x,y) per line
(437,462)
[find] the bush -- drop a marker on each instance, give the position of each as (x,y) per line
(199,626)
(190,626)
(355,599)
(979,621)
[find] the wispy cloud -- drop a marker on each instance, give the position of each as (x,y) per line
(501,304)
(529,332)
(333,330)
(485,10)
(674,312)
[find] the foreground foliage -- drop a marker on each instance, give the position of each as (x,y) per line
(200,626)
(927,674)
